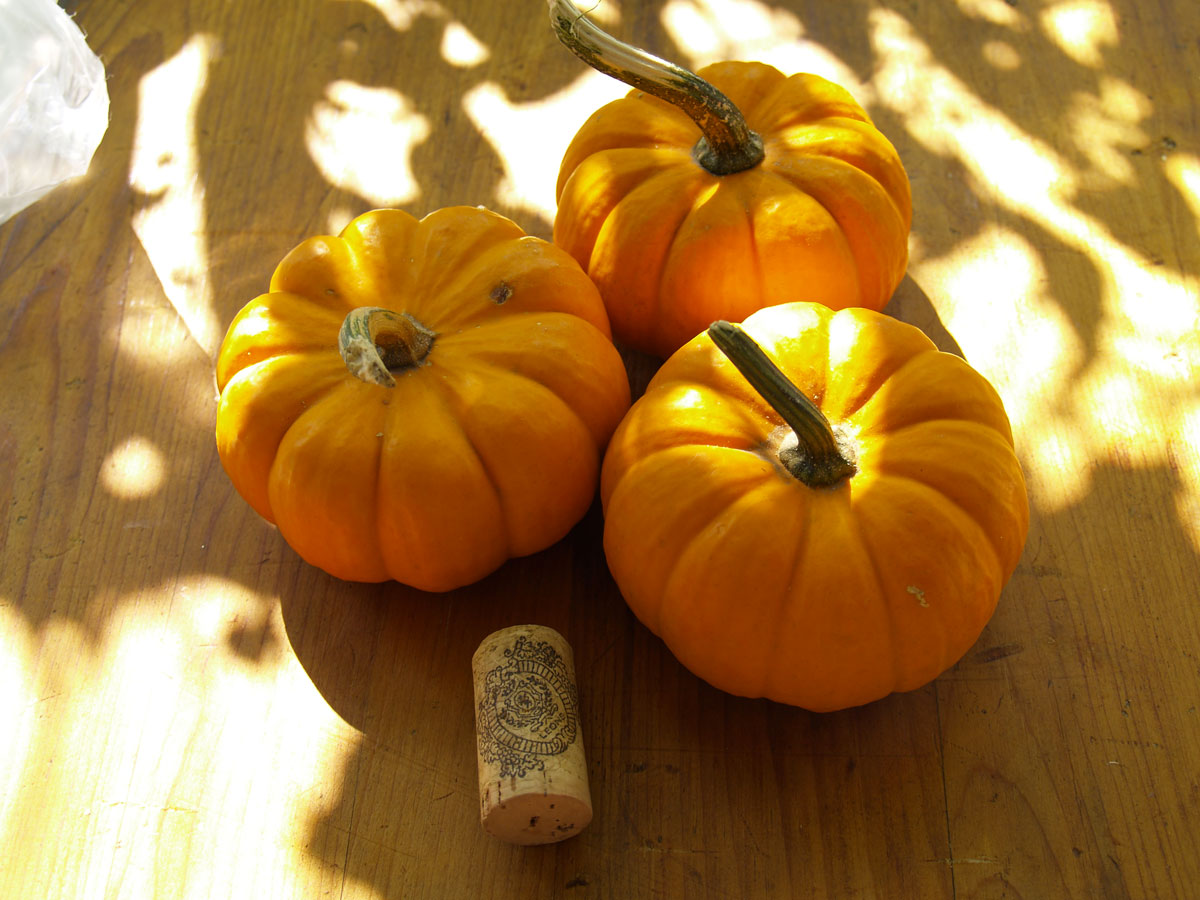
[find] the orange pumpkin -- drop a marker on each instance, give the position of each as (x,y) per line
(821,553)
(711,195)
(420,400)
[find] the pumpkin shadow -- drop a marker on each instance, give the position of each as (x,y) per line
(354,639)
(395,663)
(911,304)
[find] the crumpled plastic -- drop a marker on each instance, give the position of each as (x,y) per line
(53,102)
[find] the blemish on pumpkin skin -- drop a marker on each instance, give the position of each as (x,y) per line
(919,594)
(500,293)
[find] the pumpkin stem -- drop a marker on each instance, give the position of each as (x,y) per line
(728,144)
(816,459)
(376,342)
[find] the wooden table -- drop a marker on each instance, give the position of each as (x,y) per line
(190,711)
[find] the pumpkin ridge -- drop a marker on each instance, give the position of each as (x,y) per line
(240,351)
(620,179)
(496,371)
(945,371)
(986,568)
(797,95)
(769,171)
(454,286)
(235,454)
(335,384)
(672,246)
(805,155)
(654,132)
(380,497)
(881,592)
(264,364)
(673,594)
(434,236)
(885,470)
(672,123)
(364,265)
(397,418)
(645,186)
(570,428)
(457,408)
(871,427)
(960,420)
(989,539)
(771,678)
(536,259)
(864,251)
(629,480)
(846,133)
(315,269)
(493,314)
(331,397)
(696,437)
(760,291)
(878,382)
(626,314)
(599,195)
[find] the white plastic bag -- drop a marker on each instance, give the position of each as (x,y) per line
(53,102)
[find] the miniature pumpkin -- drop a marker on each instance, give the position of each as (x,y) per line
(420,400)
(682,210)
(824,552)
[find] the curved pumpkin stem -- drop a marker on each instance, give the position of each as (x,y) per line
(728,144)
(817,460)
(374,342)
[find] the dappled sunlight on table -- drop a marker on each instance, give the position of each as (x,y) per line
(191,711)
(210,729)
(164,169)
(135,468)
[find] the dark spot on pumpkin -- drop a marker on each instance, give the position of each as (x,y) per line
(500,293)
(533,820)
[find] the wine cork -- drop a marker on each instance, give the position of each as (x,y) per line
(533,785)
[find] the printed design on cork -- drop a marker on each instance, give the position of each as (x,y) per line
(527,710)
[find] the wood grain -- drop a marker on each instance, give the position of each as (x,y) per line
(190,711)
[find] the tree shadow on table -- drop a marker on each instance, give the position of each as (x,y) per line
(354,640)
